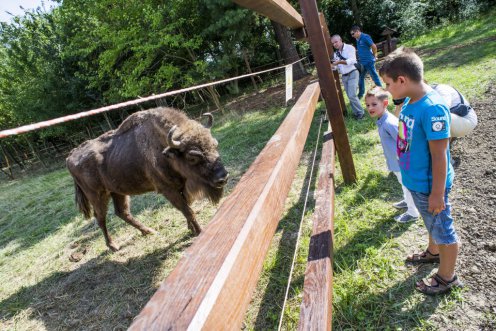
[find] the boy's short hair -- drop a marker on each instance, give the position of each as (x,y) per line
(378,92)
(356,27)
(403,62)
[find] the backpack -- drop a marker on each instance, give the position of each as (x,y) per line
(460,109)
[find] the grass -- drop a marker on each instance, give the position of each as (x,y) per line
(461,54)
(40,229)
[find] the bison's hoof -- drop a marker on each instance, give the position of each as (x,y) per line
(147,230)
(113,247)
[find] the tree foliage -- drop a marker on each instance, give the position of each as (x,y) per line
(85,54)
(409,18)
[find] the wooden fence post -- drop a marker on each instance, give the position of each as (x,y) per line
(330,50)
(328,86)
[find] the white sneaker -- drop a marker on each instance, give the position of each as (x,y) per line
(400,205)
(405,218)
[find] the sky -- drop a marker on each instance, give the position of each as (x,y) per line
(13,7)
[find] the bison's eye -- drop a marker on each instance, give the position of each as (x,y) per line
(194,156)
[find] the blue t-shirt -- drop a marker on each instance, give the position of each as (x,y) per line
(365,54)
(388,132)
(421,121)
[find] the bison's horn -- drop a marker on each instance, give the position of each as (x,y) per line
(170,141)
(210,121)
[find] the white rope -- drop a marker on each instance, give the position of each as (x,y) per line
(301,224)
(44,124)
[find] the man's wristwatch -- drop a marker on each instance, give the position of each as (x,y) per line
(397,102)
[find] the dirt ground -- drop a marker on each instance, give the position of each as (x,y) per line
(474,209)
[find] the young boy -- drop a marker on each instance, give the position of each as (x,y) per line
(422,147)
(376,101)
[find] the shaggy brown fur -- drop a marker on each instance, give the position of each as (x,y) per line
(158,150)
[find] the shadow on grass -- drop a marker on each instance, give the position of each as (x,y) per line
(362,307)
(273,298)
(43,205)
(99,295)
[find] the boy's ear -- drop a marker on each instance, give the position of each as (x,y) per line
(386,102)
(401,79)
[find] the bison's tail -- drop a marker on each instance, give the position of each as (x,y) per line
(82,201)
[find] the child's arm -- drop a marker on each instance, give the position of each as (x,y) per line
(438,150)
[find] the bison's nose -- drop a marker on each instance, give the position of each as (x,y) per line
(221,176)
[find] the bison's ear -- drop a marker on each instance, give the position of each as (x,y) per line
(169,152)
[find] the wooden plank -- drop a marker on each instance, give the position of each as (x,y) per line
(330,51)
(328,86)
(316,307)
(279,11)
(211,286)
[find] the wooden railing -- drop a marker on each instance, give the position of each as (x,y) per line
(316,308)
(211,286)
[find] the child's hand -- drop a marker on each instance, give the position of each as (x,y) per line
(436,204)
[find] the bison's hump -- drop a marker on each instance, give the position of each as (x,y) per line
(160,115)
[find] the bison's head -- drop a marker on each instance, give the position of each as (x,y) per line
(193,153)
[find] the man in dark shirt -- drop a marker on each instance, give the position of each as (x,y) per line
(367,55)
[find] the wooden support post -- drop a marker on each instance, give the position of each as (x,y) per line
(211,286)
(328,86)
(330,50)
(316,307)
(279,11)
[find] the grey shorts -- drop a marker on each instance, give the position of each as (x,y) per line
(440,227)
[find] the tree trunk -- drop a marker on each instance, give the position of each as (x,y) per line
(356,12)
(288,50)
(247,63)
(9,168)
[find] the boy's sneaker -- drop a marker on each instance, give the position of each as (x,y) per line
(405,218)
(400,205)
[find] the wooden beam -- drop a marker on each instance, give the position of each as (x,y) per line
(316,307)
(328,85)
(211,286)
(279,11)
(330,50)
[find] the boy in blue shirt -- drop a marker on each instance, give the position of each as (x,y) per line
(376,101)
(422,147)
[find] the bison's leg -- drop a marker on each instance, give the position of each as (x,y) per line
(121,206)
(100,204)
(179,201)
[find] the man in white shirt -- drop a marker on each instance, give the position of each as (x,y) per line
(345,59)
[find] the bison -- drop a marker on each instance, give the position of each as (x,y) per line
(160,150)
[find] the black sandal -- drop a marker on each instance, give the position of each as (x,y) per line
(441,287)
(424,257)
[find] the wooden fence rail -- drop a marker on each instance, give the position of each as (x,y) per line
(211,286)
(316,307)
(279,11)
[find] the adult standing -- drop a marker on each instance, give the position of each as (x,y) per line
(345,59)
(367,55)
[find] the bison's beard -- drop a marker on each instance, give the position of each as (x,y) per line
(197,191)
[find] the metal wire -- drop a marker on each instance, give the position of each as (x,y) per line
(301,223)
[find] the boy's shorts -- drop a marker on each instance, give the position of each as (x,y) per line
(440,227)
